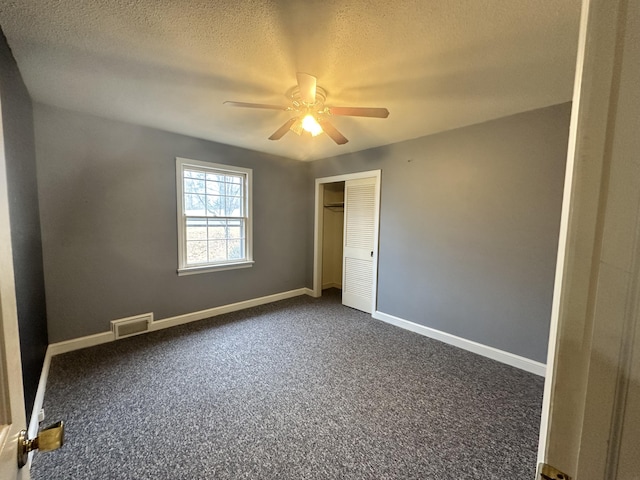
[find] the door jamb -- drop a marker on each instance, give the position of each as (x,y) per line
(319,226)
(596,291)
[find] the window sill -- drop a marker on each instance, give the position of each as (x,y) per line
(214,268)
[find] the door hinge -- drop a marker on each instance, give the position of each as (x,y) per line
(547,472)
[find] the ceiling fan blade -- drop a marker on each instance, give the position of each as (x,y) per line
(278,134)
(360,112)
(307,86)
(256,105)
(335,135)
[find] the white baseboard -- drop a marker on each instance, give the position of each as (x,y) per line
(501,356)
(39,400)
(232,307)
(34,424)
(331,285)
(105,337)
(82,342)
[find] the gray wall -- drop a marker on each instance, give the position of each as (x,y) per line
(469,227)
(17,116)
(108,207)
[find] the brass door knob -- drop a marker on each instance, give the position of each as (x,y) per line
(48,439)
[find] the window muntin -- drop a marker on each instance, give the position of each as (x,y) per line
(214,221)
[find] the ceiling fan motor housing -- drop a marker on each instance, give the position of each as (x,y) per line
(293,94)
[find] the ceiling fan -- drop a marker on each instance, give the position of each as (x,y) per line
(310,113)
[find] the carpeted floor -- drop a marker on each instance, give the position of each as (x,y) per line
(300,389)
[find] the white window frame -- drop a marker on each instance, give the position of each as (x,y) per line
(183,269)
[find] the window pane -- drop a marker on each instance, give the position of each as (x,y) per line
(233,207)
(193,186)
(215,205)
(217,232)
(234,190)
(194,204)
(235,229)
(196,233)
(194,174)
(215,188)
(235,233)
(235,248)
(217,250)
(196,252)
(214,177)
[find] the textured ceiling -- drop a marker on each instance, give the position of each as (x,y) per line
(170,64)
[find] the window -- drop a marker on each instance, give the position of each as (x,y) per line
(214,217)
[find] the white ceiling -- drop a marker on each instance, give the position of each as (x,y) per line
(170,64)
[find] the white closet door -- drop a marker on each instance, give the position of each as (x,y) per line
(359,236)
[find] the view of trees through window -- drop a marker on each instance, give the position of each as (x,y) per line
(214,216)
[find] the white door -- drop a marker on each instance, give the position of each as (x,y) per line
(591,411)
(360,234)
(12,414)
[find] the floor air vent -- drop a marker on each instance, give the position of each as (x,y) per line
(125,327)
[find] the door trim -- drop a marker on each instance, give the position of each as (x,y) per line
(12,411)
(319,224)
(596,302)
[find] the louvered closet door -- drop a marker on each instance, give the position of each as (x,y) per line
(359,235)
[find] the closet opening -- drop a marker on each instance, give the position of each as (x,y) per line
(347,213)
(332,235)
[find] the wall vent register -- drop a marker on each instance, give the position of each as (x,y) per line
(126,327)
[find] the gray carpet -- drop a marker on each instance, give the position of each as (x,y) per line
(299,389)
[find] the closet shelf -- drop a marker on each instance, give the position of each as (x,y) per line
(334,205)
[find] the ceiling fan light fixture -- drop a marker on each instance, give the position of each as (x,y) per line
(297,126)
(311,125)
(307,101)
